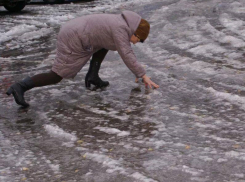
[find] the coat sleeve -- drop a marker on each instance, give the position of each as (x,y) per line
(125,50)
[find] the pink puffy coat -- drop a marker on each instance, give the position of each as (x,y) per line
(79,38)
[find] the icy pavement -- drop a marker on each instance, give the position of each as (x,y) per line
(191,129)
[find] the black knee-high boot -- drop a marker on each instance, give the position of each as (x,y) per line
(92,77)
(18,89)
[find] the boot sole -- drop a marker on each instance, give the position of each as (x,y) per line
(88,85)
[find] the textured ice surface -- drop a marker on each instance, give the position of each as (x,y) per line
(190,129)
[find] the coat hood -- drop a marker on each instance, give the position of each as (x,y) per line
(132,19)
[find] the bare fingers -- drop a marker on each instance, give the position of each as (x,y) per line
(155,85)
(152,84)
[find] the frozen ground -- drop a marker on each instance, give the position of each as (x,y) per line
(189,130)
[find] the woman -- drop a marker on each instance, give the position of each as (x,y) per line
(91,36)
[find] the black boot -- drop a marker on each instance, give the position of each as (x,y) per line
(92,76)
(18,89)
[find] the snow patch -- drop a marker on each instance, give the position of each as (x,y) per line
(113,131)
(112,113)
(141,177)
(16,31)
(113,165)
(192,171)
(35,34)
(60,19)
(233,24)
(59,133)
(207,50)
(237,155)
(56,92)
(116,166)
(234,99)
